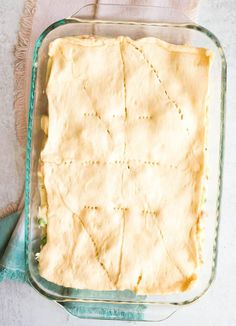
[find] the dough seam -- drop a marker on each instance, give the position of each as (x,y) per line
(95,114)
(124,154)
(154,70)
(89,235)
(121,248)
(95,247)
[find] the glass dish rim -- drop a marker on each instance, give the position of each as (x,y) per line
(191,26)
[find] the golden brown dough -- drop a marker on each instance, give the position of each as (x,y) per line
(123,164)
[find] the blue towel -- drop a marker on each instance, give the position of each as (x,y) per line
(12,247)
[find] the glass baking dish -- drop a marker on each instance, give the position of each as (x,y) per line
(125,304)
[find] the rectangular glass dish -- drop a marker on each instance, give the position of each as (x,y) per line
(125,304)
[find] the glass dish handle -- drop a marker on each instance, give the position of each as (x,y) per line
(111,311)
(137,13)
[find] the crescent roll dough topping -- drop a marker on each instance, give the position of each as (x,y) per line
(123,164)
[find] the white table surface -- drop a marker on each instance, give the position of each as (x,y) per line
(21,305)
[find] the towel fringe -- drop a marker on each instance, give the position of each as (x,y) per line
(20,53)
(13,207)
(10,209)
